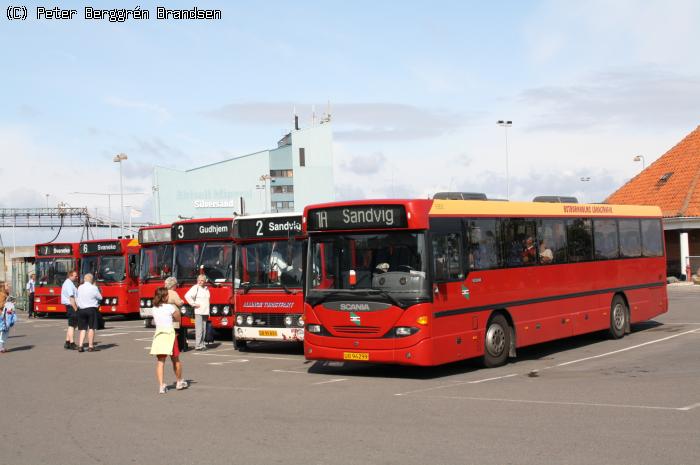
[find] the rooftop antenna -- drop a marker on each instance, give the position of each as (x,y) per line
(296,119)
(313,115)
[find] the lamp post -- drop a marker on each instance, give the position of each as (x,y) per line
(505,124)
(640,158)
(585,179)
(47,200)
(119,158)
(264,178)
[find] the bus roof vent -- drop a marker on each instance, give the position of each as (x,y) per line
(555,199)
(459,196)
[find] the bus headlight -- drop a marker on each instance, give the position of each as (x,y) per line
(183,310)
(149,303)
(214,310)
(37,300)
(249,320)
(301,321)
(314,329)
(288,320)
(403,331)
(226,310)
(239,320)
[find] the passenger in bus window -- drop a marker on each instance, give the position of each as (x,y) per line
(546,255)
(529,253)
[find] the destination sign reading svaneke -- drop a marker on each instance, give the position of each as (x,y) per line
(55,249)
(148,236)
(205,230)
(100,247)
(357,217)
(286,226)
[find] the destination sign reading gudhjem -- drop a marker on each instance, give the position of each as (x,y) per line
(286,226)
(148,236)
(100,247)
(55,249)
(204,230)
(357,217)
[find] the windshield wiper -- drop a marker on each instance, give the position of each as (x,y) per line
(246,287)
(384,293)
(326,295)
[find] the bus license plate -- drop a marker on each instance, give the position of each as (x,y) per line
(267,332)
(50,308)
(359,356)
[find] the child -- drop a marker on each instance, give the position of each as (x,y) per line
(7,321)
(164,341)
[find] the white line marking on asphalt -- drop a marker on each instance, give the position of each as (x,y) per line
(291,371)
(240,360)
(689,407)
(442,386)
(223,388)
(112,334)
(622,350)
(337,380)
(548,402)
(247,356)
(144,339)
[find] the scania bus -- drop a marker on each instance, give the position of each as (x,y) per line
(156,264)
(53,263)
(268,283)
(427,282)
(114,265)
(205,246)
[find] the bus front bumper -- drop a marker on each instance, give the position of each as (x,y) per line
(269,334)
(419,354)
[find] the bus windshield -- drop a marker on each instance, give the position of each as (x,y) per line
(53,271)
(156,262)
(393,265)
(270,264)
(105,268)
(215,259)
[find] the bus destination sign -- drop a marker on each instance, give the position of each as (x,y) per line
(54,249)
(203,230)
(100,247)
(357,217)
(284,227)
(149,236)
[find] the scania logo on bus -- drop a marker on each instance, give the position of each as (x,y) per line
(355,307)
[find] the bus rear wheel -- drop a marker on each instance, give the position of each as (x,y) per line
(496,342)
(618,317)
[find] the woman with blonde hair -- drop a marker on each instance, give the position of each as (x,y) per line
(174,299)
(164,342)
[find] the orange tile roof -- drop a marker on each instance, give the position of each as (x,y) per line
(679,195)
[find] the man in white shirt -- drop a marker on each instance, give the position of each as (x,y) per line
(30,295)
(88,305)
(198,297)
(68,295)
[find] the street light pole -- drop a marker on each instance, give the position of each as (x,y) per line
(119,158)
(506,124)
(640,158)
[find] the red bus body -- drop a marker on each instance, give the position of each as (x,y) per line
(155,265)
(205,246)
(53,263)
(114,264)
(269,300)
(539,300)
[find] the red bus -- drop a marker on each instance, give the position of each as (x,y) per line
(205,246)
(114,264)
(427,282)
(269,301)
(155,265)
(53,263)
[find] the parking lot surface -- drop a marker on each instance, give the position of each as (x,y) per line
(586,400)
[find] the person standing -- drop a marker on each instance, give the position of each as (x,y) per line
(88,305)
(6,321)
(68,294)
(174,299)
(30,295)
(198,297)
(4,293)
(164,342)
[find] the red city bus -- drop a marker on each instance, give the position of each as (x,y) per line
(53,263)
(155,265)
(205,246)
(269,302)
(427,282)
(114,264)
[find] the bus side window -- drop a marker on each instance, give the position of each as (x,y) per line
(579,239)
(651,238)
(483,246)
(630,238)
(551,237)
(447,257)
(133,266)
(519,243)
(605,239)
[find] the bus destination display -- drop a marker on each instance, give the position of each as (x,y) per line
(55,249)
(287,226)
(357,217)
(148,236)
(100,247)
(208,230)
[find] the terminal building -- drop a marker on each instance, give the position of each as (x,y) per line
(298,172)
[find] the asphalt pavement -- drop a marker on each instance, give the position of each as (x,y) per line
(585,400)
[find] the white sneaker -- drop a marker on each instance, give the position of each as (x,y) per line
(163,389)
(182,384)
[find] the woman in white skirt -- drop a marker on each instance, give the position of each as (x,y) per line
(164,341)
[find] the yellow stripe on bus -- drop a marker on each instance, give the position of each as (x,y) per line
(496,208)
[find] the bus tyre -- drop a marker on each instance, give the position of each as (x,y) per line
(240,345)
(496,342)
(618,317)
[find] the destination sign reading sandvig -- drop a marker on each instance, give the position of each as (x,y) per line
(357,217)
(100,247)
(208,230)
(55,249)
(148,236)
(286,226)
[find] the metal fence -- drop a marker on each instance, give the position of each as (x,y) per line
(21,269)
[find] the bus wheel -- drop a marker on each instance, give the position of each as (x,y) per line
(496,342)
(148,322)
(240,345)
(618,317)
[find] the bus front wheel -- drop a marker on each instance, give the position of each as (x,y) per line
(496,342)
(618,317)
(240,344)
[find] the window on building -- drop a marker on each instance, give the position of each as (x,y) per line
(579,239)
(281,173)
(630,238)
(302,156)
(282,189)
(605,239)
(652,245)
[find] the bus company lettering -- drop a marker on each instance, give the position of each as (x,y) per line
(355,307)
(370,215)
(293,226)
(213,229)
(268,304)
(600,209)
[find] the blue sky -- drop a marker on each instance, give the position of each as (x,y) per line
(415,89)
